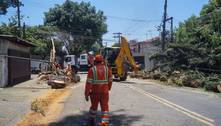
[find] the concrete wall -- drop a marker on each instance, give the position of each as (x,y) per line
(3,63)
(149,50)
(4,46)
(18,47)
(3,71)
(146,50)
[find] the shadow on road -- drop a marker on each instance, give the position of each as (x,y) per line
(117,119)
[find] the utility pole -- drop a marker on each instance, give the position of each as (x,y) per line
(19,18)
(164,25)
(118,35)
(23,31)
(171,28)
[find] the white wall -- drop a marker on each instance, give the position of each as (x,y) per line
(35,64)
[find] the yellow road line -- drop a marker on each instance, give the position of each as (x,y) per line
(178,108)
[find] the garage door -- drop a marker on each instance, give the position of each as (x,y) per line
(18,67)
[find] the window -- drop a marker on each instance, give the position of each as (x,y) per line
(83,57)
(68,59)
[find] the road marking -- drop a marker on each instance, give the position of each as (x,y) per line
(194,115)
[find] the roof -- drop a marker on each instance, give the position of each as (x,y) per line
(148,41)
(112,47)
(17,40)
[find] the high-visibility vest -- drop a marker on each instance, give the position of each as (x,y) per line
(95,79)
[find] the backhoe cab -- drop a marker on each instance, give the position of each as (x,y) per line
(120,59)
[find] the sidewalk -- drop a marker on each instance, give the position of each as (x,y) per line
(15,101)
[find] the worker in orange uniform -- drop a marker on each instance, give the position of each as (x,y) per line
(98,85)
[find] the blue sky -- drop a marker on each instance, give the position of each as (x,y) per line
(119,13)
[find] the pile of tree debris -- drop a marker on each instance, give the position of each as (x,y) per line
(57,81)
(188,78)
(193,59)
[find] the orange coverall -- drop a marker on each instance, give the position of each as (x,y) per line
(99,82)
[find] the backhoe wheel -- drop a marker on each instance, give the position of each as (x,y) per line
(124,77)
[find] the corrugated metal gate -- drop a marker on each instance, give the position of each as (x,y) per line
(18,66)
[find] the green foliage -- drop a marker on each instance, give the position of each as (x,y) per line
(156,42)
(211,83)
(41,36)
(116,44)
(10,28)
(193,78)
(198,43)
(210,7)
(5,4)
(81,20)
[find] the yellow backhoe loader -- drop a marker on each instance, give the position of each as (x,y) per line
(120,59)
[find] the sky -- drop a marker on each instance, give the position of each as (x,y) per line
(136,19)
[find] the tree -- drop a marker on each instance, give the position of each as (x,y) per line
(198,43)
(5,4)
(10,28)
(41,36)
(116,44)
(82,21)
(210,7)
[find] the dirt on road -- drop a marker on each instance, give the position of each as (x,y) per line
(46,108)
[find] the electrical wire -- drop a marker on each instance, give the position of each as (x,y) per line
(131,19)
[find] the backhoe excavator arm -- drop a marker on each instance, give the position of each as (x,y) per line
(124,55)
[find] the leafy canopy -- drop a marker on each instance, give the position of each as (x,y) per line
(198,43)
(5,4)
(81,20)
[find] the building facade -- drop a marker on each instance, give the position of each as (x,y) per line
(14,60)
(143,50)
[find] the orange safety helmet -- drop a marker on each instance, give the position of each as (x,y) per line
(99,58)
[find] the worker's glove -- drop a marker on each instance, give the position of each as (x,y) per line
(86,98)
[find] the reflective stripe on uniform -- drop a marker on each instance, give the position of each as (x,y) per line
(106,120)
(100,82)
(94,69)
(95,78)
(106,72)
(105,117)
(104,113)
(89,80)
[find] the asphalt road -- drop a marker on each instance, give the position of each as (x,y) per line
(15,101)
(144,103)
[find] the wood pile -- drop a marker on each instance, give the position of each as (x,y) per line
(57,84)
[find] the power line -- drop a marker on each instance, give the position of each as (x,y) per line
(118,35)
(131,19)
(137,28)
